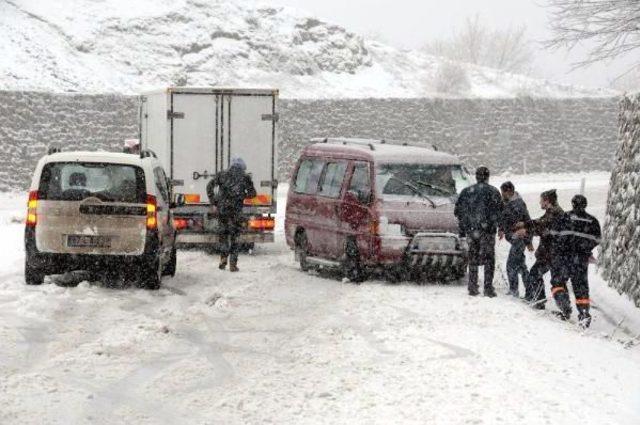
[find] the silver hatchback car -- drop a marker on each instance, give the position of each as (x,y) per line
(100,211)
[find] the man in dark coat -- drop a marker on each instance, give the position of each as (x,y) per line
(534,287)
(576,234)
(227,191)
(515,211)
(478,210)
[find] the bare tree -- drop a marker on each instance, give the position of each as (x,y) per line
(612,25)
(506,49)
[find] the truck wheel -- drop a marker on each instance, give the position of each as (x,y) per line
(151,275)
(32,275)
(170,267)
(302,250)
(351,265)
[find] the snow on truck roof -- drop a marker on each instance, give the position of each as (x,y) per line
(380,151)
(215,90)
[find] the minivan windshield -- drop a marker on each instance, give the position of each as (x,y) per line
(422,180)
(75,181)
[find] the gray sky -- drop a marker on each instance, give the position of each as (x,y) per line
(410,23)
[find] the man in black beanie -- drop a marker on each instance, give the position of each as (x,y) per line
(479,210)
(576,234)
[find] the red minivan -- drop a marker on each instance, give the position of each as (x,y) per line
(369,205)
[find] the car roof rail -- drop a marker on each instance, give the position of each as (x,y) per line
(53,149)
(148,153)
(346,141)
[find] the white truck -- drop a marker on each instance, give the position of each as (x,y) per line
(195,132)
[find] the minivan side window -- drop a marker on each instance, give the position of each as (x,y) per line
(308,176)
(332,179)
(161,183)
(361,179)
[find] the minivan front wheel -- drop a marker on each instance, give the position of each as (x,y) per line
(352,267)
(302,250)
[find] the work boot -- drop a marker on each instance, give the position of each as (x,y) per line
(233,268)
(473,292)
(584,317)
(489,292)
(223,262)
(564,304)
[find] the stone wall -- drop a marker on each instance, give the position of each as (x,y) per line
(522,135)
(30,122)
(620,256)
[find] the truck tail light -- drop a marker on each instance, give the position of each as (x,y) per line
(191,198)
(180,223)
(374,227)
(262,223)
(32,208)
(152,213)
(259,200)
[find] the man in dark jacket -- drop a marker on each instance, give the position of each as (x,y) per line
(227,191)
(479,209)
(515,211)
(534,287)
(576,234)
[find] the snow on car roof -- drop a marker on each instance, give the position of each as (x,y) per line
(93,156)
(381,151)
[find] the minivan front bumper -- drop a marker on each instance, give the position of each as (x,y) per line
(423,250)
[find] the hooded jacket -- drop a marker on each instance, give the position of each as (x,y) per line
(228,189)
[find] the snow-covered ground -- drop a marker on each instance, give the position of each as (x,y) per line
(273,345)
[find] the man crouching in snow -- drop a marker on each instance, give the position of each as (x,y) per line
(515,211)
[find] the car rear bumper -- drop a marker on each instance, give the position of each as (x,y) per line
(56,263)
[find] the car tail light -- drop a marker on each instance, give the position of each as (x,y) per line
(262,223)
(191,198)
(32,207)
(152,212)
(180,223)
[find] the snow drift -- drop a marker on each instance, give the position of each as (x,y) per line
(123,46)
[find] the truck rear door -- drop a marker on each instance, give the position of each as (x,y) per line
(250,135)
(194,127)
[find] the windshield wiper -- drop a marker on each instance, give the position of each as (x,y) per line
(415,190)
(438,188)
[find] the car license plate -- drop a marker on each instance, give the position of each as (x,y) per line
(88,241)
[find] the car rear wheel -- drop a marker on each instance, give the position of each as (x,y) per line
(151,275)
(302,251)
(32,275)
(352,267)
(170,267)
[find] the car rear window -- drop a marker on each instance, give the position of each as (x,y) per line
(75,181)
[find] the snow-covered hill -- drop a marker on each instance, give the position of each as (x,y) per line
(127,46)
